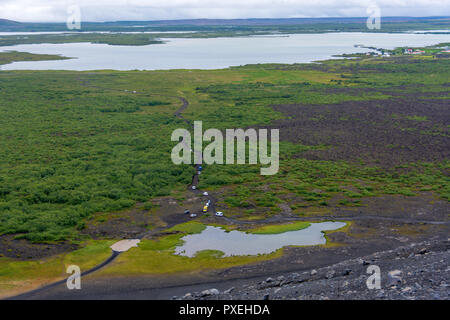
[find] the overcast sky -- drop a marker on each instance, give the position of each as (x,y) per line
(112,10)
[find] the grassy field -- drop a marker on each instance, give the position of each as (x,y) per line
(106,149)
(18,276)
(77,146)
(150,255)
(197,227)
(280,228)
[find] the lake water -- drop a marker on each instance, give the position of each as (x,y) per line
(241,243)
(214,53)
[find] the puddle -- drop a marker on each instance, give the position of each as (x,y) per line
(241,243)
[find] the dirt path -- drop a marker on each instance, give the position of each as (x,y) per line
(195,179)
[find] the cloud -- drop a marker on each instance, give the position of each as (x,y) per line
(110,10)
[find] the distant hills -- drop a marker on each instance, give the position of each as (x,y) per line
(274,21)
(392,24)
(6,22)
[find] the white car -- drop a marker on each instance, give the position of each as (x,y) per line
(208,203)
(219,213)
(193,215)
(194,187)
(205,193)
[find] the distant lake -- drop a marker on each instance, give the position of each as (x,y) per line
(215,53)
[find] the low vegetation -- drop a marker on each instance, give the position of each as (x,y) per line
(18,276)
(350,129)
(102,38)
(280,228)
(12,56)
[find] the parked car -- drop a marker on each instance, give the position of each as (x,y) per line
(186,212)
(193,215)
(205,193)
(205,209)
(219,213)
(194,187)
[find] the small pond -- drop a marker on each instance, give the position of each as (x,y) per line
(241,243)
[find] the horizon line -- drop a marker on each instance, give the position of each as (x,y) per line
(228,19)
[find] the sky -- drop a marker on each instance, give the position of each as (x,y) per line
(115,10)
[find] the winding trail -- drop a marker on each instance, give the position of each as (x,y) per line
(60,282)
(195,179)
(178,114)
